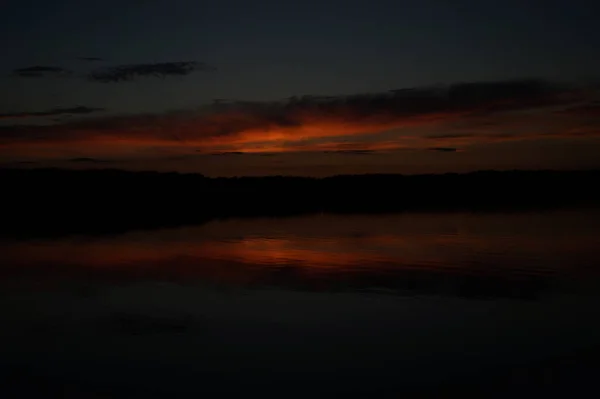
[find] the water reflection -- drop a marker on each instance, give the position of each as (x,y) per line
(331,304)
(475,255)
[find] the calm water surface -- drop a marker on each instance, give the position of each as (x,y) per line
(319,305)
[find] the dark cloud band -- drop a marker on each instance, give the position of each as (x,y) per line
(129,72)
(39,71)
(51,112)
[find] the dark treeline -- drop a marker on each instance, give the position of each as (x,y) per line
(57,201)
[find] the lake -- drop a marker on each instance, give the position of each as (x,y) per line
(320,305)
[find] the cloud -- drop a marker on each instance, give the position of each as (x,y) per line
(581,131)
(17,163)
(228,153)
(350,152)
(450,116)
(448,136)
(444,149)
(86,160)
(91,59)
(79,110)
(589,109)
(129,72)
(39,71)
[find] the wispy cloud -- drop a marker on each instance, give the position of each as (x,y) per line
(86,160)
(51,112)
(122,73)
(91,59)
(350,152)
(444,149)
(228,153)
(588,109)
(448,136)
(12,164)
(39,71)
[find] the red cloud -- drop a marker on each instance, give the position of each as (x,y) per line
(316,123)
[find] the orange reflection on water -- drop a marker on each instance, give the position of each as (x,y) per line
(306,252)
(264,251)
(245,250)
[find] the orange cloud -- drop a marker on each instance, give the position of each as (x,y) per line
(383,121)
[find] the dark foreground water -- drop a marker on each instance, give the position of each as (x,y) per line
(493,305)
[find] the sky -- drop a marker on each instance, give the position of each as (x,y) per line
(238,87)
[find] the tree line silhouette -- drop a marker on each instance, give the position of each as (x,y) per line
(58,201)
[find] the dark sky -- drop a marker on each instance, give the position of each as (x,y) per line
(133,83)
